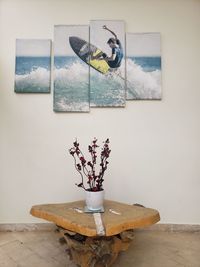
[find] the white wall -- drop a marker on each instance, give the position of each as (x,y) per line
(155,145)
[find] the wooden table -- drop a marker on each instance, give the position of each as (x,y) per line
(95,240)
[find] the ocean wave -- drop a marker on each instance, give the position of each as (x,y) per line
(38,80)
(107,90)
(76,72)
(71,88)
(141,84)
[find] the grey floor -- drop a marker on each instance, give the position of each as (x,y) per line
(148,249)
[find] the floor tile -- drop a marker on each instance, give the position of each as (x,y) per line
(148,249)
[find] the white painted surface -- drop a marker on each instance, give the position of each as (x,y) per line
(155,158)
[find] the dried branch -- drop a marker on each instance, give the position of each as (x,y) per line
(94,181)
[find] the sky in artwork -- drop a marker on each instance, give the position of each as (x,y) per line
(143,44)
(33,48)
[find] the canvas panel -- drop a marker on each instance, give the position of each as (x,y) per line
(107,89)
(71,74)
(33,66)
(143,66)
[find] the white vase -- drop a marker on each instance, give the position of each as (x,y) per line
(94,200)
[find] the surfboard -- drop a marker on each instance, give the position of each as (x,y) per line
(86,52)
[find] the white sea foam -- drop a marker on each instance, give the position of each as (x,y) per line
(141,84)
(76,72)
(72,88)
(38,80)
(63,104)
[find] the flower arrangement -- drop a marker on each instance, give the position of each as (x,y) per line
(88,168)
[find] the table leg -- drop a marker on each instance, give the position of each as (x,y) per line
(96,251)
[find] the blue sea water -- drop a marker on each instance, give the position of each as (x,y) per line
(143,78)
(64,62)
(76,88)
(32,74)
(71,84)
(148,64)
(107,90)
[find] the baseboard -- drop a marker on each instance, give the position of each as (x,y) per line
(21,227)
(169,227)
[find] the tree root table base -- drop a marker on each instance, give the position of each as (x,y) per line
(95,251)
(95,240)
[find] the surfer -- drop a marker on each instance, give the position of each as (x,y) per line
(114,61)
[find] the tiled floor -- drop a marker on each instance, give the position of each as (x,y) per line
(148,249)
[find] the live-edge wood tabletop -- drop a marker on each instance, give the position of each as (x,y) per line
(117,217)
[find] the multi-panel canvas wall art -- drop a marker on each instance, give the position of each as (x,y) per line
(71,73)
(107,72)
(143,66)
(95,65)
(33,66)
